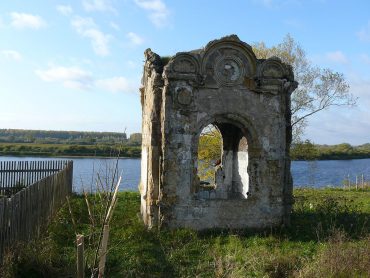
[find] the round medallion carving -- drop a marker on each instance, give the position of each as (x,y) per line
(229,70)
(184,96)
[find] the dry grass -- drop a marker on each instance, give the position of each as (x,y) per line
(341,257)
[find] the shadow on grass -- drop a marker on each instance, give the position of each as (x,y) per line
(312,220)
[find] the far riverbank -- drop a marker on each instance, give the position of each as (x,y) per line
(68,150)
(302,152)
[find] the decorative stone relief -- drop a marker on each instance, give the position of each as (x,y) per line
(184,65)
(229,70)
(184,95)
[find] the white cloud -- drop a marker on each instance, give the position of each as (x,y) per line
(1,22)
(77,78)
(114,26)
(82,23)
(98,6)
(99,41)
(65,10)
(12,55)
(337,57)
(135,38)
(132,64)
(158,11)
(87,28)
(23,21)
(266,3)
(117,84)
(70,77)
(364,33)
(365,58)
(360,87)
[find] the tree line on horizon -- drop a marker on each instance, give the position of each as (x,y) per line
(68,137)
(309,151)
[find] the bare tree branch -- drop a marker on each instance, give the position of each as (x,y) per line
(318,89)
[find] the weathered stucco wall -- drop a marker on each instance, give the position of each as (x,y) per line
(249,101)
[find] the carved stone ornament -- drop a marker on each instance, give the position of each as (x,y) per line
(229,70)
(184,95)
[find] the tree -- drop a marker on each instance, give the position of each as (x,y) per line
(209,152)
(318,88)
(135,139)
(304,151)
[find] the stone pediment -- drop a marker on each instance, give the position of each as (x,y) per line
(229,62)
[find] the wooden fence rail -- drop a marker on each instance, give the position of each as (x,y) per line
(24,214)
(15,175)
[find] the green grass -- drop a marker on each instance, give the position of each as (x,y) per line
(328,237)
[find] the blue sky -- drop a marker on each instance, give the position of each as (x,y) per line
(76,65)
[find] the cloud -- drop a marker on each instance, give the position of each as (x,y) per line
(117,84)
(360,87)
(65,10)
(337,57)
(87,28)
(158,11)
(70,77)
(364,33)
(365,58)
(23,21)
(76,78)
(114,26)
(99,41)
(83,23)
(12,55)
(135,39)
(266,3)
(98,6)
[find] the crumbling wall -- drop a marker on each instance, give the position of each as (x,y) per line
(249,101)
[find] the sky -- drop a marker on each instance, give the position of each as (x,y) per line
(77,65)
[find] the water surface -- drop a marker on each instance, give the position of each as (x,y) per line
(305,173)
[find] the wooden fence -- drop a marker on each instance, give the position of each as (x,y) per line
(25,213)
(16,175)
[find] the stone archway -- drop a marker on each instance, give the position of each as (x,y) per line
(249,101)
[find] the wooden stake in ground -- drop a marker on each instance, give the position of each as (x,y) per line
(103,250)
(349,183)
(80,256)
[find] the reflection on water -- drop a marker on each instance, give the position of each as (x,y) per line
(305,173)
(329,172)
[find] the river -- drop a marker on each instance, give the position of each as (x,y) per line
(305,173)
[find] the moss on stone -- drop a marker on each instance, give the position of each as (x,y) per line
(165,59)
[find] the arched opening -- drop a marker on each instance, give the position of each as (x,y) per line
(223,162)
(209,155)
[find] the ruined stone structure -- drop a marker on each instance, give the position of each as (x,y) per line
(248,100)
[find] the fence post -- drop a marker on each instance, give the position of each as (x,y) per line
(103,250)
(349,183)
(80,256)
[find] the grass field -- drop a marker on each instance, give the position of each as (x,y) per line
(329,237)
